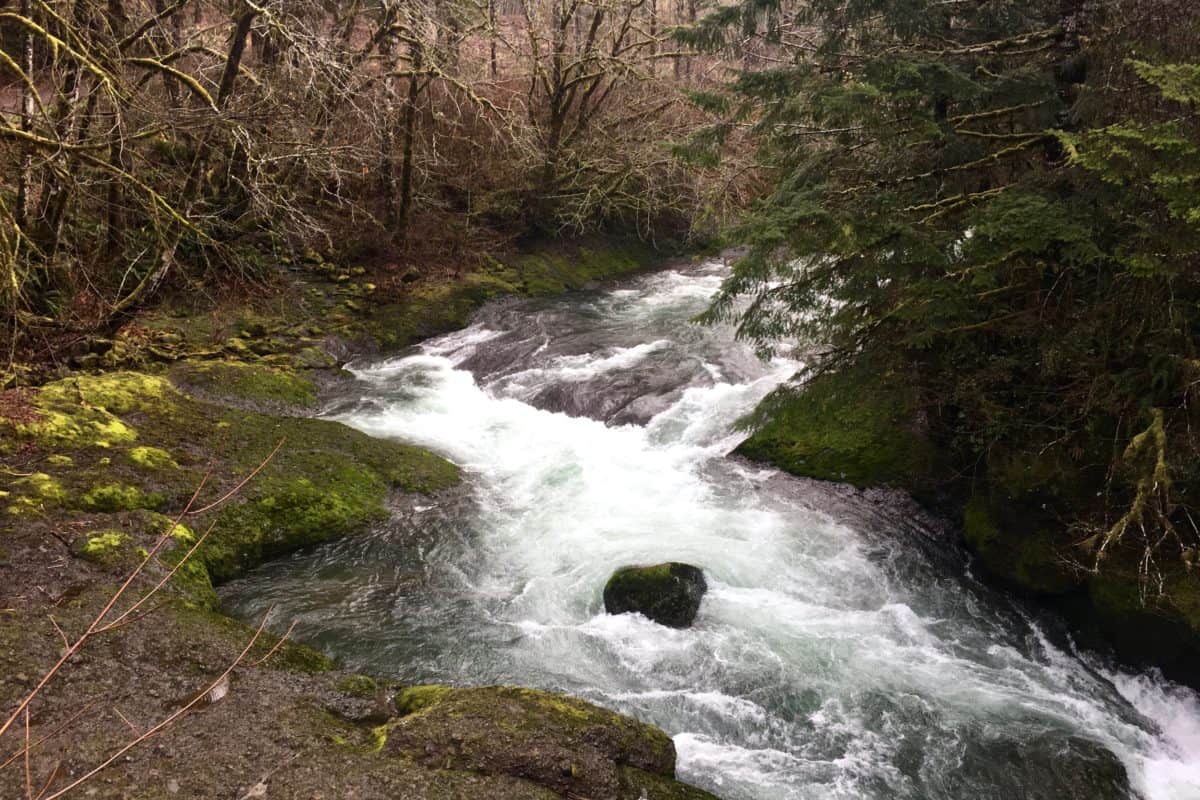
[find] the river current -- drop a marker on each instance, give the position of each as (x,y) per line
(844,649)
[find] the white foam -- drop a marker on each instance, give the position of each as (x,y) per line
(769,695)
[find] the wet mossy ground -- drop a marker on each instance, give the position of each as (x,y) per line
(1021,546)
(231,380)
(95,468)
(433,309)
(324,480)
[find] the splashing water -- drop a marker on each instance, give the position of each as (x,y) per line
(843,649)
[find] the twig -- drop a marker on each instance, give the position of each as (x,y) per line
(176,715)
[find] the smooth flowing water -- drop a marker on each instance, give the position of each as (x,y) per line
(843,651)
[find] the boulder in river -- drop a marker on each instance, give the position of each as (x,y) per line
(667,593)
(1040,767)
(566,746)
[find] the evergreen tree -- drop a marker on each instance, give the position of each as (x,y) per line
(999,200)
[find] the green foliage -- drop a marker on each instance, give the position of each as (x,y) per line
(994,204)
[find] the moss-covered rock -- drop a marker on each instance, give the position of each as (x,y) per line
(561,743)
(667,593)
(249,382)
(32,495)
(1020,546)
(550,272)
(113,497)
(434,308)
(112,549)
(856,426)
(358,685)
(151,458)
(325,480)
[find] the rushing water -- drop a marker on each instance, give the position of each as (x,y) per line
(843,649)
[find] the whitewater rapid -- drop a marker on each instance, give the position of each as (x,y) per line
(843,651)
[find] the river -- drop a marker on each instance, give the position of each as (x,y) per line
(844,649)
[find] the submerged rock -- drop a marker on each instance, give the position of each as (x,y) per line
(667,593)
(1041,767)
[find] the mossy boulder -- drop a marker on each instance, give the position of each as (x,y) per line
(325,482)
(564,744)
(858,425)
(667,593)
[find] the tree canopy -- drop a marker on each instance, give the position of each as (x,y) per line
(997,200)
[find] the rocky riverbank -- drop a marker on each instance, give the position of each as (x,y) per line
(862,426)
(188,438)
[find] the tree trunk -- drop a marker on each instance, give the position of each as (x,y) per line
(417,59)
(233,62)
(492,37)
(653,35)
(25,176)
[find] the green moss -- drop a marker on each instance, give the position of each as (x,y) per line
(43,487)
(326,480)
(357,685)
(435,308)
(416,699)
(204,623)
(669,593)
(1162,629)
(247,382)
(561,743)
(116,392)
(296,514)
(549,272)
(94,426)
(152,458)
(106,548)
(857,426)
(84,411)
(60,460)
(981,530)
(114,497)
(297,657)
(34,495)
(378,738)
